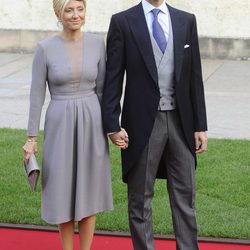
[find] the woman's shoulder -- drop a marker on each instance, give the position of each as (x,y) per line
(94,38)
(48,42)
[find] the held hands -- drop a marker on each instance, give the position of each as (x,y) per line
(30,147)
(200,142)
(120,139)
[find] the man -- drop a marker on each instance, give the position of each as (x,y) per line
(163,113)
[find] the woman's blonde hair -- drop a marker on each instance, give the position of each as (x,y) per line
(59,6)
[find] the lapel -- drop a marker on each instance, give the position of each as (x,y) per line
(178,40)
(138,26)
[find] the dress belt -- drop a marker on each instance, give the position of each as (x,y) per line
(72,95)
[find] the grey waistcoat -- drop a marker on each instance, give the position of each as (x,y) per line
(165,69)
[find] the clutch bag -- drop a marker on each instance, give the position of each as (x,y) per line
(32,171)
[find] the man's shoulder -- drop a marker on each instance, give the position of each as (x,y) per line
(126,12)
(134,11)
(181,13)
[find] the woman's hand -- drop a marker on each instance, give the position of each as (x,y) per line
(30,147)
(120,139)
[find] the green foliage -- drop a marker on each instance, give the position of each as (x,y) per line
(222,181)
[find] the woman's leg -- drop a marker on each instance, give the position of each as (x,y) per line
(86,231)
(67,235)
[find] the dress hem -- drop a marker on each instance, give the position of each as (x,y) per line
(53,222)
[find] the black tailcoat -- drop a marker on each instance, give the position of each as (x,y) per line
(129,50)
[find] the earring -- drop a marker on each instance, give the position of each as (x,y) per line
(59,23)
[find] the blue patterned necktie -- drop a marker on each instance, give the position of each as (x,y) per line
(158,32)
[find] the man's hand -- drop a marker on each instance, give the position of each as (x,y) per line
(200,142)
(120,139)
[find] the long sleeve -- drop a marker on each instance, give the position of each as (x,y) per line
(197,88)
(111,108)
(37,91)
(101,72)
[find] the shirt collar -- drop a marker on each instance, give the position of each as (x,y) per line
(147,7)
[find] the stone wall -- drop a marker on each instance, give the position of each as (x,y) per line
(223,25)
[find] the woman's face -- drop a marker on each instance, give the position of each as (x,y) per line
(74,15)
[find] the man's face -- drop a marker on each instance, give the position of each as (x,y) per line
(156,2)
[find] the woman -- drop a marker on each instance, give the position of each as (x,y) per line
(76,181)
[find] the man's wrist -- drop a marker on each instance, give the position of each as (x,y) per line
(111,133)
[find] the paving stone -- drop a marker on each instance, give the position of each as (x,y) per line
(227,91)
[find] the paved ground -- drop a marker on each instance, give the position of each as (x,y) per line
(227,89)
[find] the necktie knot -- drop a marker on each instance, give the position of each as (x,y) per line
(156,12)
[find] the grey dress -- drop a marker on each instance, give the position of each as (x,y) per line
(76,180)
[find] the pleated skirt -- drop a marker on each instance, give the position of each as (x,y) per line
(76,180)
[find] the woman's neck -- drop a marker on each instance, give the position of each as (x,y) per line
(71,35)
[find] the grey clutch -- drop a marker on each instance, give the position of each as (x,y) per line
(32,171)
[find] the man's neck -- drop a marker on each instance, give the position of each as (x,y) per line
(156,3)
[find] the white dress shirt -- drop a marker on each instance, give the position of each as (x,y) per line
(163,16)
